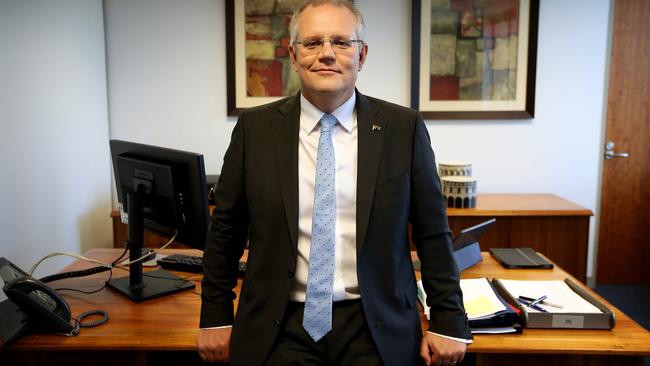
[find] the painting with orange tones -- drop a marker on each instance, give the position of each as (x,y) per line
(258,65)
(268,66)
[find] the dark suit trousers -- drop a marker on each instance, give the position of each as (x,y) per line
(348,343)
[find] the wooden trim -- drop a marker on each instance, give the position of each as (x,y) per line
(513,204)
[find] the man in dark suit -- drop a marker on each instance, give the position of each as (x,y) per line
(323,185)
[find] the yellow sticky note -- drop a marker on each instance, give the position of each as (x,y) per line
(479,305)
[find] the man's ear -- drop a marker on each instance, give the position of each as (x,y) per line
(292,56)
(363,53)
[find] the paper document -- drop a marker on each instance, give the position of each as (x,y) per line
(495,330)
(556,292)
(479,298)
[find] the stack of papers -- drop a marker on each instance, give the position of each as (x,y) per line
(486,311)
(479,299)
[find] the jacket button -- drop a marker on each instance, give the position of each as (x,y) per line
(291,273)
(276,323)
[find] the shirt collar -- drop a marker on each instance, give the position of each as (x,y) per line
(310,115)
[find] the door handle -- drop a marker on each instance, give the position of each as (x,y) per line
(610,153)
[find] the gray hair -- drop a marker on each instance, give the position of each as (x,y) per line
(361,26)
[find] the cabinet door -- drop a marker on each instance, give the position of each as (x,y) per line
(563,239)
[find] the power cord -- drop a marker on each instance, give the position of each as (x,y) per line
(85,272)
(103,264)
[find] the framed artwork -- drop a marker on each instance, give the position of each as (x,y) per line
(258,64)
(474,59)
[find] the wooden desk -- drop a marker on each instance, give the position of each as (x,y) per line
(138,333)
(623,345)
(545,222)
(133,335)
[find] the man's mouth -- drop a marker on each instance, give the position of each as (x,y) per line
(325,71)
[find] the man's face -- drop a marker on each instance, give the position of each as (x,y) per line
(328,72)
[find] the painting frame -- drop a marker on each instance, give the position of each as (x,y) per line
(236,88)
(522,106)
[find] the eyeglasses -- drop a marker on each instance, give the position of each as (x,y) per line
(316,44)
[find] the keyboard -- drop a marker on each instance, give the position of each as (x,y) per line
(188,263)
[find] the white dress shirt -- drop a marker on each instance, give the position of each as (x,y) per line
(344,139)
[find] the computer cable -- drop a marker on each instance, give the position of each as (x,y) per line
(103,266)
(68,254)
(110,276)
(155,251)
(82,273)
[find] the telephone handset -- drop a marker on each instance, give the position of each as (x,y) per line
(43,307)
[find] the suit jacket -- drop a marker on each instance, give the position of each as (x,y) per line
(257,199)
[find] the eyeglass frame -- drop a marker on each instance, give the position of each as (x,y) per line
(321,42)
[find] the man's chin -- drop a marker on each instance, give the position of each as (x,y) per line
(327,88)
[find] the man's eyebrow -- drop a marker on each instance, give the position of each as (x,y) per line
(334,36)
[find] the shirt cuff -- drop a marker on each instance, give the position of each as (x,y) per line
(221,327)
(462,340)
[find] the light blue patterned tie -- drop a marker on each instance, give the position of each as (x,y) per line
(317,319)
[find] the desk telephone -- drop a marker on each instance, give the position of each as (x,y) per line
(44,309)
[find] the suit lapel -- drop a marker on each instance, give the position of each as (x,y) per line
(371,132)
(284,128)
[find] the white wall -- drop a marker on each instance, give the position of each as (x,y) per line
(166,77)
(55,185)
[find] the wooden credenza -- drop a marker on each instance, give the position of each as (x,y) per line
(545,222)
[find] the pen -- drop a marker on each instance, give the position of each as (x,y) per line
(532,306)
(541,302)
(538,300)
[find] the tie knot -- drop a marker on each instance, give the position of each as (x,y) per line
(327,122)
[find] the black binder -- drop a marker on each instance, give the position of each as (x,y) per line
(520,258)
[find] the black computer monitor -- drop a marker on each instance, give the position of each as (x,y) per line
(165,191)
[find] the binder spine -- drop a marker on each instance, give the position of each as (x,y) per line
(498,286)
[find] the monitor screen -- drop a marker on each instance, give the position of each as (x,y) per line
(172,185)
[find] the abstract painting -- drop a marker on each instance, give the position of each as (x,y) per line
(258,64)
(474,59)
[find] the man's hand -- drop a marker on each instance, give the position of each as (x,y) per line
(214,344)
(436,350)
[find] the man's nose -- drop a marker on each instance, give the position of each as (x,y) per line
(327,51)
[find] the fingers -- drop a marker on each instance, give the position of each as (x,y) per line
(436,350)
(446,359)
(213,345)
(424,353)
(214,355)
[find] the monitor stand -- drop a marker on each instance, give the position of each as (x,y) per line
(138,286)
